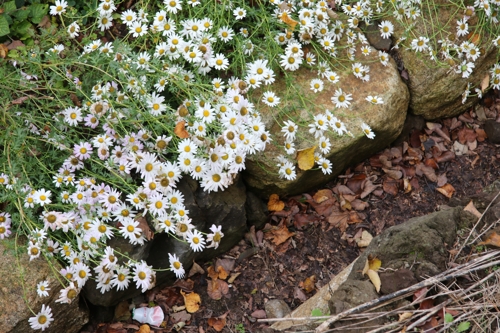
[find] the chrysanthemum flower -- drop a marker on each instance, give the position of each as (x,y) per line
(143,274)
(270,99)
(341,99)
(195,240)
(176,266)
(42,320)
(386,29)
(59,7)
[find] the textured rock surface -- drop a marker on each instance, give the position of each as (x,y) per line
(18,297)
(436,90)
(301,104)
(226,208)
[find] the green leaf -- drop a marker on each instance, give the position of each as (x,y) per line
(316,313)
(38,11)
(21,14)
(464,326)
(4,25)
(448,318)
(9,7)
(21,28)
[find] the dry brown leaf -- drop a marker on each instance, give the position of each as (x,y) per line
(485,82)
(406,185)
(442,180)
(305,158)
(429,172)
(192,301)
(492,238)
(180,130)
(3,51)
(217,323)
(359,204)
(394,174)
(195,269)
(279,235)
(308,283)
(275,204)
(368,188)
(481,134)
(322,195)
(299,294)
(45,22)
(259,314)
(144,226)
(374,278)
(365,239)
(217,288)
(405,315)
(472,209)
(344,203)
(339,220)
(447,190)
(391,186)
(144,329)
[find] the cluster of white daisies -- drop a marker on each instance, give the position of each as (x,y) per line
(214,131)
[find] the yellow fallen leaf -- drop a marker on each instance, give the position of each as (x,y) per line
(275,204)
(374,264)
(375,279)
(288,20)
(405,315)
(305,158)
(192,301)
(144,329)
(472,209)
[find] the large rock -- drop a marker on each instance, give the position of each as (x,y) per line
(226,208)
(299,103)
(19,299)
(436,89)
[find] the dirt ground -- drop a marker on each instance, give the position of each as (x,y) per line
(302,247)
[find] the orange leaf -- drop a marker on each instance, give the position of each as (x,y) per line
(3,51)
(180,130)
(219,273)
(192,301)
(144,329)
(217,323)
(491,239)
(288,20)
(322,195)
(280,235)
(305,158)
(447,190)
(275,204)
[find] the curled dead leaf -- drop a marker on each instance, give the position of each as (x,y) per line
(180,130)
(485,82)
(305,158)
(405,315)
(275,204)
(308,283)
(3,51)
(217,288)
(492,238)
(217,323)
(365,239)
(472,209)
(280,234)
(288,20)
(144,329)
(192,301)
(447,190)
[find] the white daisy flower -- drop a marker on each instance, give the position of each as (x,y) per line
(367,131)
(43,318)
(386,29)
(341,99)
(270,99)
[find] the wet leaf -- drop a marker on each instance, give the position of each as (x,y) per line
(275,204)
(180,130)
(472,209)
(375,279)
(447,190)
(217,288)
(192,301)
(305,158)
(279,235)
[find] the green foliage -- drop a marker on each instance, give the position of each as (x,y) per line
(18,19)
(240,328)
(462,327)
